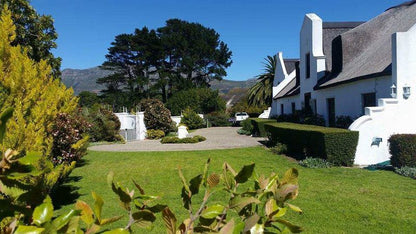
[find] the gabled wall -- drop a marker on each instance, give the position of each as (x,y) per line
(311,43)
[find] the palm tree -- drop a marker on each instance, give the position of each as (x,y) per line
(261,92)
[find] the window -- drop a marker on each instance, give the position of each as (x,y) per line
(282,110)
(308,65)
(307,100)
(368,100)
(330,102)
(293,107)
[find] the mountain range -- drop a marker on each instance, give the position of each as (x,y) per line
(85,80)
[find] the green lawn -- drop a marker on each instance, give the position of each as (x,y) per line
(335,200)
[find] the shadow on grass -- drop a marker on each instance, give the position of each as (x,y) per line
(82,162)
(66,193)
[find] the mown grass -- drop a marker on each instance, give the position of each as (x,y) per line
(334,200)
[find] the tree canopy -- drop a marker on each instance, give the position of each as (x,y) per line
(156,63)
(34,32)
(261,92)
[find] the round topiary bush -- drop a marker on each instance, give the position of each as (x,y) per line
(156,115)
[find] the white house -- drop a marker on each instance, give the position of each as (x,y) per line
(365,69)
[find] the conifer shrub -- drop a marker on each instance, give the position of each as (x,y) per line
(156,115)
(33,92)
(403,150)
(191,119)
(154,134)
(335,145)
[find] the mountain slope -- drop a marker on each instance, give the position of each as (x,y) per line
(86,80)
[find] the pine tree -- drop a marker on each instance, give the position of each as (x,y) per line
(28,87)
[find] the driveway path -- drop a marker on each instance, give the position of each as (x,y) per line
(217,138)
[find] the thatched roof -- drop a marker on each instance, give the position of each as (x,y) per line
(290,65)
(365,51)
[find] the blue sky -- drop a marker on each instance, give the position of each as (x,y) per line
(252,29)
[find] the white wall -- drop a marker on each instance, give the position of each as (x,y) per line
(393,115)
(348,97)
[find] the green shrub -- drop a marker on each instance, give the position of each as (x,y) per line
(258,126)
(406,171)
(218,119)
(176,140)
(279,148)
(156,115)
(314,163)
(105,125)
(317,120)
(192,120)
(336,145)
(343,121)
(154,134)
(247,126)
(243,132)
(403,150)
(200,100)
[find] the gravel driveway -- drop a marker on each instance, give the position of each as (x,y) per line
(217,138)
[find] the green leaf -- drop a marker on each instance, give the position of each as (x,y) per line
(238,203)
(293,228)
(86,212)
(185,184)
(157,208)
(21,229)
(239,227)
(194,184)
(98,205)
(139,187)
(295,208)
(73,225)
(144,218)
(227,167)
(245,173)
(205,174)
(213,180)
(43,213)
(212,211)
(117,231)
(170,220)
(110,220)
(290,177)
(63,219)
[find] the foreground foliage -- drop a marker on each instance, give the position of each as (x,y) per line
(29,87)
(331,198)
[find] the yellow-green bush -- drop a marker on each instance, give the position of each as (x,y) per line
(30,88)
(154,134)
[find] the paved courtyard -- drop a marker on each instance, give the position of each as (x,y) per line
(217,138)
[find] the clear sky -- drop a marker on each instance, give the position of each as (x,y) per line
(252,29)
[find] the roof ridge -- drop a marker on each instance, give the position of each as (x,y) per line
(408,3)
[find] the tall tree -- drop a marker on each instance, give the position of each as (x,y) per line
(195,55)
(34,32)
(261,92)
(178,56)
(132,57)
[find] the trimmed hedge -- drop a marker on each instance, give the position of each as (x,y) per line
(403,150)
(335,145)
(176,140)
(258,126)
